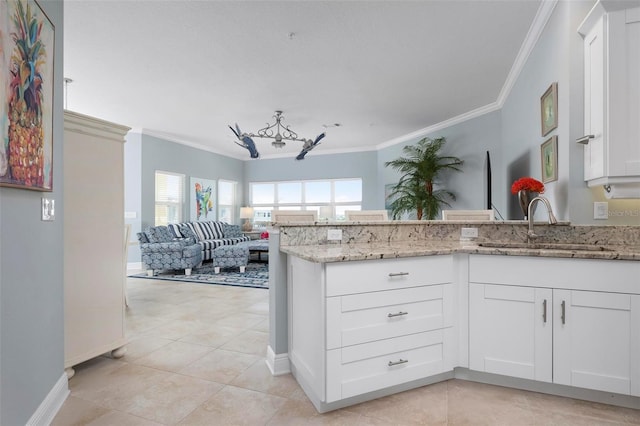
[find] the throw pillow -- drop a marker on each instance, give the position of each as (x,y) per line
(187,232)
(142,237)
(158,234)
(231,231)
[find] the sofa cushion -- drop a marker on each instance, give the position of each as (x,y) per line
(231,231)
(158,234)
(208,230)
(142,237)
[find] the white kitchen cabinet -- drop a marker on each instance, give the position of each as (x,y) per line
(360,327)
(611,94)
(511,331)
(597,341)
(94,261)
(581,329)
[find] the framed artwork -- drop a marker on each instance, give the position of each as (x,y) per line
(202,194)
(549,109)
(549,159)
(26,96)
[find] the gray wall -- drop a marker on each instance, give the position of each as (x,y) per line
(469,141)
(330,166)
(160,154)
(133,190)
(31,277)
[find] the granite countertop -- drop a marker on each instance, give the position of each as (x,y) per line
(326,253)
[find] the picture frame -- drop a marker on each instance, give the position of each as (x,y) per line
(26,96)
(203,195)
(549,159)
(549,109)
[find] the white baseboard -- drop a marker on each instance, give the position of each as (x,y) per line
(50,406)
(278,364)
(134,266)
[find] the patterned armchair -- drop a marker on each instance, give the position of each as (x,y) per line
(161,250)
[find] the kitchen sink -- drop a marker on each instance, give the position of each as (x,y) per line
(544,246)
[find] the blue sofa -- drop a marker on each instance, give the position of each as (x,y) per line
(208,235)
(161,250)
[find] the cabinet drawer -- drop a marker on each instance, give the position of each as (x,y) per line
(361,318)
(387,274)
(368,367)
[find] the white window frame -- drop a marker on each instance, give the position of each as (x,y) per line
(178,204)
(234,206)
(303,205)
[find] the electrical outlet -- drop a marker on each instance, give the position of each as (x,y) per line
(469,233)
(334,234)
(601,210)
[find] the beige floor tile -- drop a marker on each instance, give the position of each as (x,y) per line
(213,336)
(174,356)
(114,387)
(262,326)
(236,406)
(172,399)
(249,342)
(295,413)
(259,378)
(118,418)
(242,320)
(599,412)
(261,308)
(422,406)
(78,412)
(143,345)
(220,366)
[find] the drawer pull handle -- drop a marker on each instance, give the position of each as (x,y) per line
(544,311)
(563,315)
(397,314)
(397,274)
(400,361)
(585,139)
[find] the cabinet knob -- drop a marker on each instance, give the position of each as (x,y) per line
(584,140)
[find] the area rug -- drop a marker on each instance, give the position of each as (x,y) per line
(256,275)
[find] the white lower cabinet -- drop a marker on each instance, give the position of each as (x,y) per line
(382,323)
(586,339)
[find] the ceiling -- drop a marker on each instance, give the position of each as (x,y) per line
(185,70)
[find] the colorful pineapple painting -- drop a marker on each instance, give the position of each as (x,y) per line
(26,158)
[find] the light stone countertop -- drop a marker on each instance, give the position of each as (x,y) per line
(326,253)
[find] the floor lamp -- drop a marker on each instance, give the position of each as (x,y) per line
(246,213)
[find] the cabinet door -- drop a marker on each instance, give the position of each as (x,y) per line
(510,331)
(597,340)
(594,101)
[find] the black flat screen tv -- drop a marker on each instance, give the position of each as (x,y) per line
(488,180)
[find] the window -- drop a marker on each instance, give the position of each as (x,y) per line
(330,198)
(227,201)
(169,198)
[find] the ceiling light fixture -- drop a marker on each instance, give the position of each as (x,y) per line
(279,133)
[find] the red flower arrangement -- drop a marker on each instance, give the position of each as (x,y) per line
(527,184)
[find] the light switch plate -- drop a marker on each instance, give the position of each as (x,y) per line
(48,209)
(601,210)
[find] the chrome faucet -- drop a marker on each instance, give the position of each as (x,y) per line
(552,218)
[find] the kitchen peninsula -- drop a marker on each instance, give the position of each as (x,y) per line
(396,305)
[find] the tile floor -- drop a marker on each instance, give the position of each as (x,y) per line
(196,357)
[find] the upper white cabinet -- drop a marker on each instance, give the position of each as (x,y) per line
(611,94)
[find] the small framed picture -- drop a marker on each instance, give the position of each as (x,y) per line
(549,159)
(549,109)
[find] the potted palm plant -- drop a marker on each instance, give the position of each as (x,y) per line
(421,168)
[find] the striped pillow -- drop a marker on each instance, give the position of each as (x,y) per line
(208,230)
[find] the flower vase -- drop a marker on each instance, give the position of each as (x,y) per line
(524,198)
